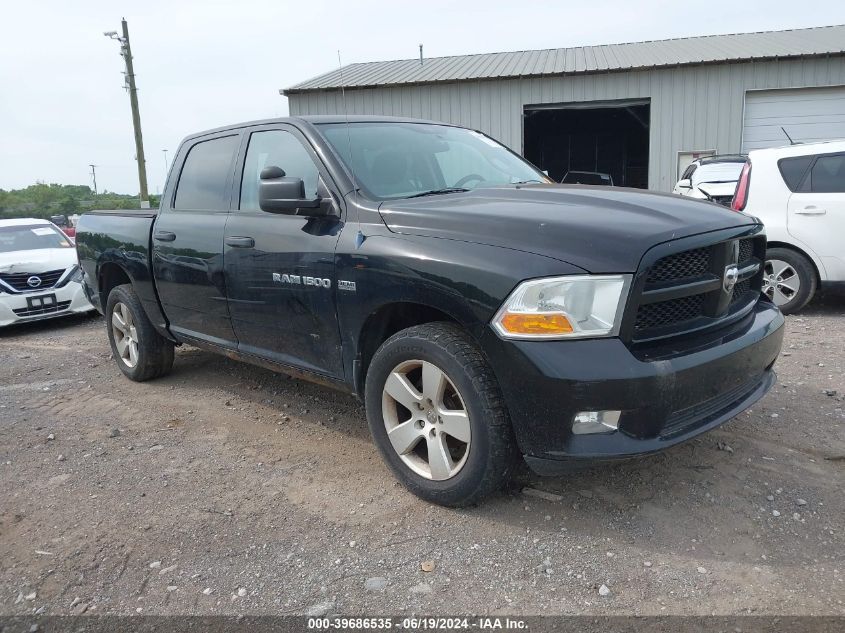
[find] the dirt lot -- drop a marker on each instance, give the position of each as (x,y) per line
(229,489)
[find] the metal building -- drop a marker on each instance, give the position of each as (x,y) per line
(640,111)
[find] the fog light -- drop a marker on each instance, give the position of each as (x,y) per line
(586,422)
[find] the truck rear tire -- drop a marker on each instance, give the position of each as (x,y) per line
(789,279)
(437,415)
(140,351)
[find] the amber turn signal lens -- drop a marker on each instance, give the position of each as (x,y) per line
(536,323)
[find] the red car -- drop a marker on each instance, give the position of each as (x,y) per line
(64,224)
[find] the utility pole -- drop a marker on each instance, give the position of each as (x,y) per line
(165,165)
(94,176)
(126,53)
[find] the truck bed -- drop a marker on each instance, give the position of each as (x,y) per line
(114,247)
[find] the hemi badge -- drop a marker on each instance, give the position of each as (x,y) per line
(346,285)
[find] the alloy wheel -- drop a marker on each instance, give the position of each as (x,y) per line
(426,420)
(781,282)
(125,334)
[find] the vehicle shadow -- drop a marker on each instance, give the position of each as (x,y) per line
(829,301)
(258,386)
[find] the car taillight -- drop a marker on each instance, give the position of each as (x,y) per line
(741,193)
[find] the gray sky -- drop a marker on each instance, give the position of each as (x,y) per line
(200,64)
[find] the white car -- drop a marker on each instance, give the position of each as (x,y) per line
(711,178)
(39,274)
(799,193)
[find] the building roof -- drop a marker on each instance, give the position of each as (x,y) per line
(710,49)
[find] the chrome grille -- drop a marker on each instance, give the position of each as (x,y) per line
(19,281)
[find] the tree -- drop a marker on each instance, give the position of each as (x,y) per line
(42,200)
(69,206)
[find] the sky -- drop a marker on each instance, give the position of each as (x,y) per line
(202,64)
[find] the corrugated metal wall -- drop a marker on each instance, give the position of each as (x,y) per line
(692,107)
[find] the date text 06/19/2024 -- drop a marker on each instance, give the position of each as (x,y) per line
(418,623)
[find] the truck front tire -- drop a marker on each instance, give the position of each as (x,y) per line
(141,353)
(437,415)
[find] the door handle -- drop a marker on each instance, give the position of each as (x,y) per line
(810,211)
(239,242)
(164,236)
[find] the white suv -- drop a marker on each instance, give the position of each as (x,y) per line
(799,194)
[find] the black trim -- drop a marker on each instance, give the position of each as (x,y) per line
(699,286)
(720,308)
(260,361)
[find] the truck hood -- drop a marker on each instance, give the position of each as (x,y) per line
(37,261)
(599,229)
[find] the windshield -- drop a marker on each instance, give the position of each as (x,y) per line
(31,237)
(717,172)
(400,160)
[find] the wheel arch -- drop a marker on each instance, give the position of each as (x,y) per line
(387,320)
(817,266)
(110,275)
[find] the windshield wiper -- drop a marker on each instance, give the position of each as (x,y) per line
(437,192)
(527,182)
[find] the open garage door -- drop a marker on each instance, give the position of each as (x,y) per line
(806,114)
(609,137)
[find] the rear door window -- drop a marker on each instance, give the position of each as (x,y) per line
(204,181)
(828,174)
(793,169)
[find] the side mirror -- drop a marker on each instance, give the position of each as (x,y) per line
(278,193)
(686,183)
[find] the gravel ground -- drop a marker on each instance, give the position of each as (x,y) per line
(226,489)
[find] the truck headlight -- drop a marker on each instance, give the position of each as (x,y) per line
(576,306)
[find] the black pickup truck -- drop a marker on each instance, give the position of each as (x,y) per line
(480,312)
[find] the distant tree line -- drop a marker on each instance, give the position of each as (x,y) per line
(42,201)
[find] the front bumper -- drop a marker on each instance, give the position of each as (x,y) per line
(667,393)
(70,299)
